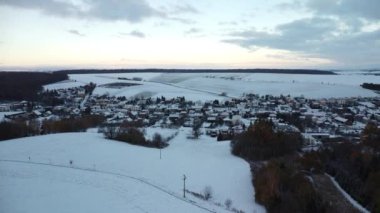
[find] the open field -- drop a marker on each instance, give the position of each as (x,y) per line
(209,86)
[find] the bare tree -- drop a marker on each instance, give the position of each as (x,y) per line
(196,129)
(207,192)
(228,203)
(157,140)
(111,132)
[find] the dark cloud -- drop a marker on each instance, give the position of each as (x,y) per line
(230,23)
(366,9)
(295,5)
(309,29)
(49,7)
(335,32)
(184,8)
(179,8)
(134,33)
(193,31)
(182,20)
(76,32)
(128,10)
(316,37)
(108,10)
(137,34)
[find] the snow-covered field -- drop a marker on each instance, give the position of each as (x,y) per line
(209,86)
(120,177)
(64,85)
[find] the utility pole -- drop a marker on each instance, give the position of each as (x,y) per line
(184,186)
(160,149)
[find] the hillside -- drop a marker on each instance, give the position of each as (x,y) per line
(211,86)
(108,176)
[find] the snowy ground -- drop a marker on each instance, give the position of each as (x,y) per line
(64,85)
(209,86)
(127,178)
(55,189)
(155,89)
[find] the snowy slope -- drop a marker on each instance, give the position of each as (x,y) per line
(139,180)
(55,189)
(64,85)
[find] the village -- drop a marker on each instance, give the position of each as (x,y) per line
(320,121)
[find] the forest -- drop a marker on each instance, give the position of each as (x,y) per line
(357,167)
(285,178)
(262,142)
(18,129)
(371,86)
(17,86)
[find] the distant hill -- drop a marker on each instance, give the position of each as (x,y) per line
(280,71)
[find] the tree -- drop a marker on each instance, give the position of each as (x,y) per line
(207,192)
(281,187)
(371,136)
(131,135)
(196,132)
(157,140)
(228,203)
(196,129)
(111,132)
(15,129)
(261,142)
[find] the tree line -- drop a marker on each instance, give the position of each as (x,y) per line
(371,86)
(18,129)
(281,71)
(128,132)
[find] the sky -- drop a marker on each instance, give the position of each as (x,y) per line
(70,34)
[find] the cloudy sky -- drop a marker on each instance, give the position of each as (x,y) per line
(55,34)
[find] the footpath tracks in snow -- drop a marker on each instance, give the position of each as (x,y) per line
(335,197)
(192,89)
(113,174)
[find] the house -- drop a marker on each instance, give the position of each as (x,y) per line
(5,107)
(341,120)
